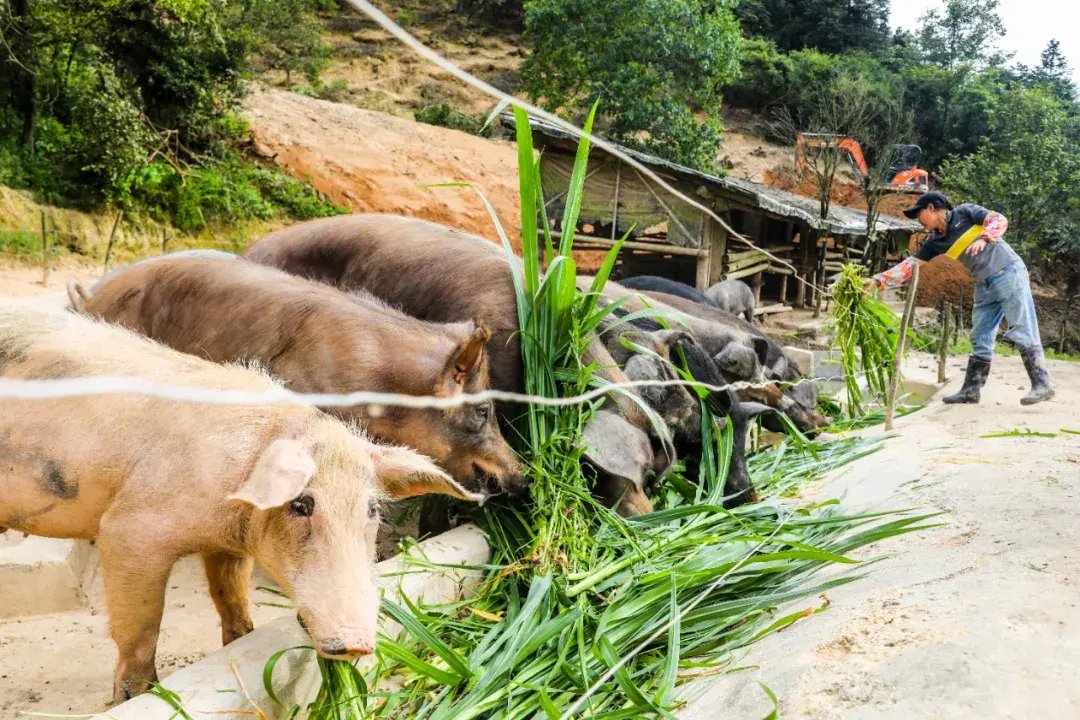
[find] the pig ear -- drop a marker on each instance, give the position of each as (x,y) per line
(761,349)
(280,475)
(401,473)
(467,357)
(618,448)
(735,363)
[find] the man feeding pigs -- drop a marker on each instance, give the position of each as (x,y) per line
(973,235)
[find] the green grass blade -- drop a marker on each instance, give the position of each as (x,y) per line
(268,671)
(414,627)
(577,184)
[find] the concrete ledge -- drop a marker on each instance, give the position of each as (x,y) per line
(210,689)
(41,575)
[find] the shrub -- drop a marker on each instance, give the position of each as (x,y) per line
(226,190)
(656,66)
(445,115)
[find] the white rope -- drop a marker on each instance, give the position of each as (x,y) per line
(112,385)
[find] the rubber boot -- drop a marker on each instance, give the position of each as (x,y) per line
(1035,364)
(978,370)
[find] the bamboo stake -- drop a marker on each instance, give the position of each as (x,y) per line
(946,332)
(894,379)
(44,252)
(745,272)
(112,236)
(746,262)
(164,240)
(615,210)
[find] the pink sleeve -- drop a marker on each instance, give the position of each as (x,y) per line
(995,226)
(896,275)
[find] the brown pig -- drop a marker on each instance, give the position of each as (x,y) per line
(153,480)
(320,340)
(444,275)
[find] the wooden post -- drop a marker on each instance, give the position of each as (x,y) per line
(716,236)
(701,278)
(894,379)
(164,240)
(819,276)
(112,236)
(44,252)
(1065,322)
(615,211)
(946,336)
(783,289)
(757,288)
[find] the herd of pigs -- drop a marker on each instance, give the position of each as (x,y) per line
(358,302)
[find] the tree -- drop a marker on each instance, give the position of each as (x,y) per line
(955,43)
(1052,73)
(830,26)
(1027,169)
(114,82)
(656,66)
(962,33)
(892,124)
(844,107)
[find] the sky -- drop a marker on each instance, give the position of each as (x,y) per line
(1029,26)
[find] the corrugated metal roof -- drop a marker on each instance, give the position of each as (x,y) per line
(842,220)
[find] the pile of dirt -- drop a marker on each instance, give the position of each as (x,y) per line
(374,162)
(946,277)
(844,191)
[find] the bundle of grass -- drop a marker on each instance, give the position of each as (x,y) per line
(583,613)
(866,333)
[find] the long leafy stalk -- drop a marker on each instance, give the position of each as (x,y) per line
(866,335)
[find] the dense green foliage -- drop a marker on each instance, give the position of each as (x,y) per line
(129,101)
(1028,168)
(831,26)
(656,66)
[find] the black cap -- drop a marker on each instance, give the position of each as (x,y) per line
(925,200)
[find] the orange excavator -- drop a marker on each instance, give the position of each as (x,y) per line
(904,175)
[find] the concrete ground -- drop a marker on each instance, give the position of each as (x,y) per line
(976,619)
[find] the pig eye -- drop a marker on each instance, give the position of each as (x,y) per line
(302,506)
(480,415)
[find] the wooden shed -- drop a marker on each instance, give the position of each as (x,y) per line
(673,239)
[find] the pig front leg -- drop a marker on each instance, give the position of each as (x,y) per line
(230,577)
(136,572)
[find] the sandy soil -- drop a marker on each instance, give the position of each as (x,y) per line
(22,281)
(63,663)
(373,162)
(976,619)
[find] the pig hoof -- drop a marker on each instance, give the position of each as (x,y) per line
(235,633)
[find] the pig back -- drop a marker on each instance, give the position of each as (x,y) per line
(314,336)
(429,271)
(66,460)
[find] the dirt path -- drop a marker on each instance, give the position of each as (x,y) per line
(976,619)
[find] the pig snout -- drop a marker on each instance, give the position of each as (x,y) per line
(499,478)
(348,646)
(340,643)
